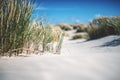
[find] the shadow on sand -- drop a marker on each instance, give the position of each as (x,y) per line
(113,43)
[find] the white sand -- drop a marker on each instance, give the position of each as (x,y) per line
(79,60)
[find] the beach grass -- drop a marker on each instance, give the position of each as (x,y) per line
(81,28)
(104,26)
(65,27)
(14,24)
(17,34)
(80,36)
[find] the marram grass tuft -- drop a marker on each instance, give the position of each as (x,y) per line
(17,34)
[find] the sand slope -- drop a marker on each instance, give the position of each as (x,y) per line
(79,60)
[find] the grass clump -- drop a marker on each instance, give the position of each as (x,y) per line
(18,35)
(93,32)
(81,28)
(14,23)
(104,26)
(65,27)
(81,36)
(40,38)
(58,36)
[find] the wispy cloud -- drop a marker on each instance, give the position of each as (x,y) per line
(40,8)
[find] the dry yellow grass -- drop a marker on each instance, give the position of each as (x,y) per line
(65,27)
(81,27)
(56,32)
(80,36)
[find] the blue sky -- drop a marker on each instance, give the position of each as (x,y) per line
(75,11)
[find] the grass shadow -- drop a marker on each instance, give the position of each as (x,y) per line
(113,43)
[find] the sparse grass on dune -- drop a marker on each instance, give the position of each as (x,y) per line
(80,36)
(58,30)
(75,26)
(43,39)
(58,35)
(81,28)
(65,27)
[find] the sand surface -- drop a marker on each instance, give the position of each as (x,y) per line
(79,60)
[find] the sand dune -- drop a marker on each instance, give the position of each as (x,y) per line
(79,60)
